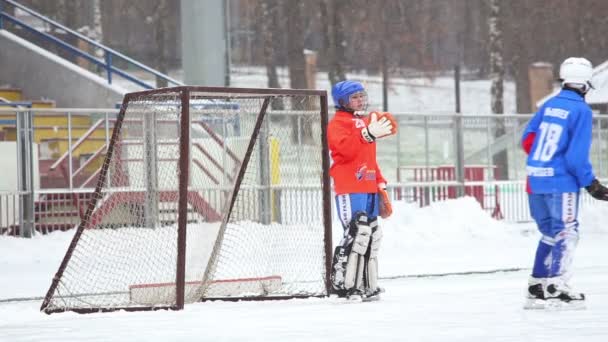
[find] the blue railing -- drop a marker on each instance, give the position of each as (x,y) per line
(16,104)
(26,104)
(109,54)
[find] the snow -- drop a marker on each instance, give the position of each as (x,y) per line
(405,95)
(478,302)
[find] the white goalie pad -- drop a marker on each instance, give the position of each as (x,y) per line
(372,263)
(362,239)
(356,260)
(375,240)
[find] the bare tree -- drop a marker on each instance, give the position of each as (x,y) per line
(497,73)
(146,30)
(157,14)
(97,30)
(517,45)
(270,26)
(296,62)
(295,44)
(333,35)
(161,30)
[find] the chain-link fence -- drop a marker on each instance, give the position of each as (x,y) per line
(433,157)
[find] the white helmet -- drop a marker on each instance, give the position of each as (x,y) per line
(576,71)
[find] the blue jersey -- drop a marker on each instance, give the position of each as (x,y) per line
(559,158)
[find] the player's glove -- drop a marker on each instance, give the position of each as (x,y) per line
(386,209)
(390,118)
(377,128)
(597,190)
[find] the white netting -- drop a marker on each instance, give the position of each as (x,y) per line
(273,243)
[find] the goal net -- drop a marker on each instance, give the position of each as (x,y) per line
(204,193)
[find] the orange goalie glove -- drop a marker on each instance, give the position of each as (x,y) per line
(386,209)
(386,115)
(390,118)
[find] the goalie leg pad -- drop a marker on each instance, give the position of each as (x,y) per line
(353,276)
(361,242)
(338,267)
(375,239)
(343,251)
(371,273)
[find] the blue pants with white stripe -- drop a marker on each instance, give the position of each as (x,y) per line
(556,216)
(349,204)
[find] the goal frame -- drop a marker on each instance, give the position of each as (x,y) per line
(184,158)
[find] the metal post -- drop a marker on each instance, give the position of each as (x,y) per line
(1,10)
(427,163)
(182,218)
(458,135)
(190,154)
(489,146)
(109,176)
(300,167)
(30,200)
(25,173)
(398,142)
(264,152)
(385,76)
(599,147)
(224,158)
(70,153)
(150,166)
(228,39)
(515,124)
(203,42)
(108,55)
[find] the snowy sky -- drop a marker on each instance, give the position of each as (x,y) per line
(448,237)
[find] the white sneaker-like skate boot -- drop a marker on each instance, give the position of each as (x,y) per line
(536,294)
(536,288)
(561,296)
(563,292)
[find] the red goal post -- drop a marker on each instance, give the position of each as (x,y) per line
(205,193)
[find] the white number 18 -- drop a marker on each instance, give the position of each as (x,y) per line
(549,138)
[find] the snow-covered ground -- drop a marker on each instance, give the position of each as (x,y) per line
(417,95)
(413,95)
(481,301)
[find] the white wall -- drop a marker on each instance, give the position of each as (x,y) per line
(8,164)
(41,74)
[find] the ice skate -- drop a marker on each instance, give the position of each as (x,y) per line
(338,293)
(536,298)
(355,295)
(562,297)
(372,295)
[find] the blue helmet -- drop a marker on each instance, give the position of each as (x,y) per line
(342,91)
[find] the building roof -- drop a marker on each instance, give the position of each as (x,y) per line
(596,96)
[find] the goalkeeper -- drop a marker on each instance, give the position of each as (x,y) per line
(360,189)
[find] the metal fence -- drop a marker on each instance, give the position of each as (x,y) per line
(51,157)
(428,142)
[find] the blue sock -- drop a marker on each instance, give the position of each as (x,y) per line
(542,260)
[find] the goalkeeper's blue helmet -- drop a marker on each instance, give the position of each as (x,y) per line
(342,91)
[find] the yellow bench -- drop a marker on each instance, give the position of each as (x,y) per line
(11,94)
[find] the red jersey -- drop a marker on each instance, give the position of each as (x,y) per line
(354,167)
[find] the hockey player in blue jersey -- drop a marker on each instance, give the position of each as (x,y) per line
(558,140)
